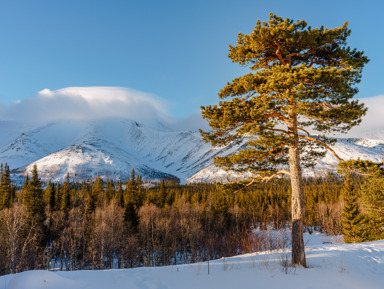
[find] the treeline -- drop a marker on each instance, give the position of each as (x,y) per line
(107,224)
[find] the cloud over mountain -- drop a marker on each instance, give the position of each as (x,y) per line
(373,120)
(87,103)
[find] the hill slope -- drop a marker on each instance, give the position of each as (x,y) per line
(113,147)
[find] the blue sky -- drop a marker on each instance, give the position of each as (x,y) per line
(175,50)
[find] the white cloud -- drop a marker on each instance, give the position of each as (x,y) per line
(87,103)
(373,120)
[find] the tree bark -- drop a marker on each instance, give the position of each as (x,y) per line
(297,199)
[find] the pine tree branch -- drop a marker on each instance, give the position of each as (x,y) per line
(332,151)
(299,128)
(277,114)
(312,61)
(280,130)
(266,155)
(263,179)
(321,143)
(270,58)
(266,179)
(299,54)
(327,106)
(278,53)
(310,143)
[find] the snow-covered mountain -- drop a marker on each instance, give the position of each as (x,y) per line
(112,148)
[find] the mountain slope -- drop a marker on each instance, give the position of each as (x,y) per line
(113,147)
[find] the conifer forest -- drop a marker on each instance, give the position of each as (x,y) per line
(106,224)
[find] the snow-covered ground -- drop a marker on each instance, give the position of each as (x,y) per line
(331,265)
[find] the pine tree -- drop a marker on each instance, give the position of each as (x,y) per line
(120,194)
(66,196)
(133,191)
(131,217)
(133,176)
(132,202)
(110,190)
(300,77)
(49,195)
(34,195)
(162,194)
(372,199)
(24,187)
(96,195)
(352,219)
(58,196)
(7,190)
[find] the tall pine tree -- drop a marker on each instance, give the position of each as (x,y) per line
(300,77)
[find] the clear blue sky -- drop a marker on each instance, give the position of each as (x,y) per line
(176,50)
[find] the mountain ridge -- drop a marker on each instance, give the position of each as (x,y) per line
(113,147)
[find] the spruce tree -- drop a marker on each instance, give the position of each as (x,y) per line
(300,78)
(7,190)
(120,194)
(132,202)
(49,194)
(352,219)
(34,195)
(58,196)
(372,199)
(131,217)
(96,195)
(133,177)
(110,190)
(133,191)
(162,194)
(66,196)
(33,199)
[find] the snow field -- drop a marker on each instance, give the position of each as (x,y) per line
(330,266)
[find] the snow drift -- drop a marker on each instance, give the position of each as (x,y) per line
(330,266)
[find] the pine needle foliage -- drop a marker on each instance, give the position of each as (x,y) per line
(300,78)
(198,222)
(66,196)
(372,199)
(7,190)
(34,195)
(296,73)
(354,230)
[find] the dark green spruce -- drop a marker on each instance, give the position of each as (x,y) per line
(352,220)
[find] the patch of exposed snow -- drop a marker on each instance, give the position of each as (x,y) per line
(330,265)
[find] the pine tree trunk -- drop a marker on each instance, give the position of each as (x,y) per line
(297,199)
